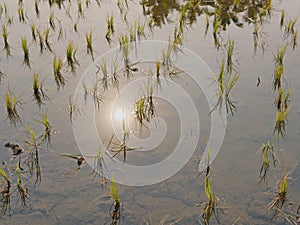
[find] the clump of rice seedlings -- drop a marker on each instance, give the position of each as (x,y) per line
(280,199)
(33,34)
(23,191)
(71,56)
(211,205)
(51,20)
(97,96)
(255,35)
(57,66)
(38,91)
(21,14)
(116,208)
(282,110)
(278,73)
(226,81)
(11,108)
(151,24)
(80,10)
(5,192)
(267,155)
(5,40)
(41,41)
(89,43)
(47,32)
(282,18)
(122,147)
(36,8)
(144,106)
(290,27)
(166,56)
(33,159)
(48,130)
(280,55)
(25,48)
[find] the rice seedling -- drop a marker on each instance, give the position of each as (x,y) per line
(75,27)
(5,40)
(80,10)
(45,137)
(36,8)
(115,76)
(41,42)
(87,3)
(33,34)
(47,32)
(133,32)
(38,91)
(151,24)
(5,192)
(105,75)
(11,108)
(295,37)
(89,43)
(229,50)
(267,155)
(97,96)
(158,65)
(116,208)
(21,14)
(235,3)
(110,23)
(207,22)
(23,191)
(140,29)
(110,28)
(25,48)
(57,66)
(85,90)
(280,200)
(33,159)
(71,56)
(51,20)
(282,18)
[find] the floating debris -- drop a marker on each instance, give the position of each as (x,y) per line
(15,147)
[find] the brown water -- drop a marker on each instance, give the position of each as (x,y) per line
(63,198)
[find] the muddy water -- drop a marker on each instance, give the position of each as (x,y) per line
(64,197)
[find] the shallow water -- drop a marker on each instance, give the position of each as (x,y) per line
(67,197)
